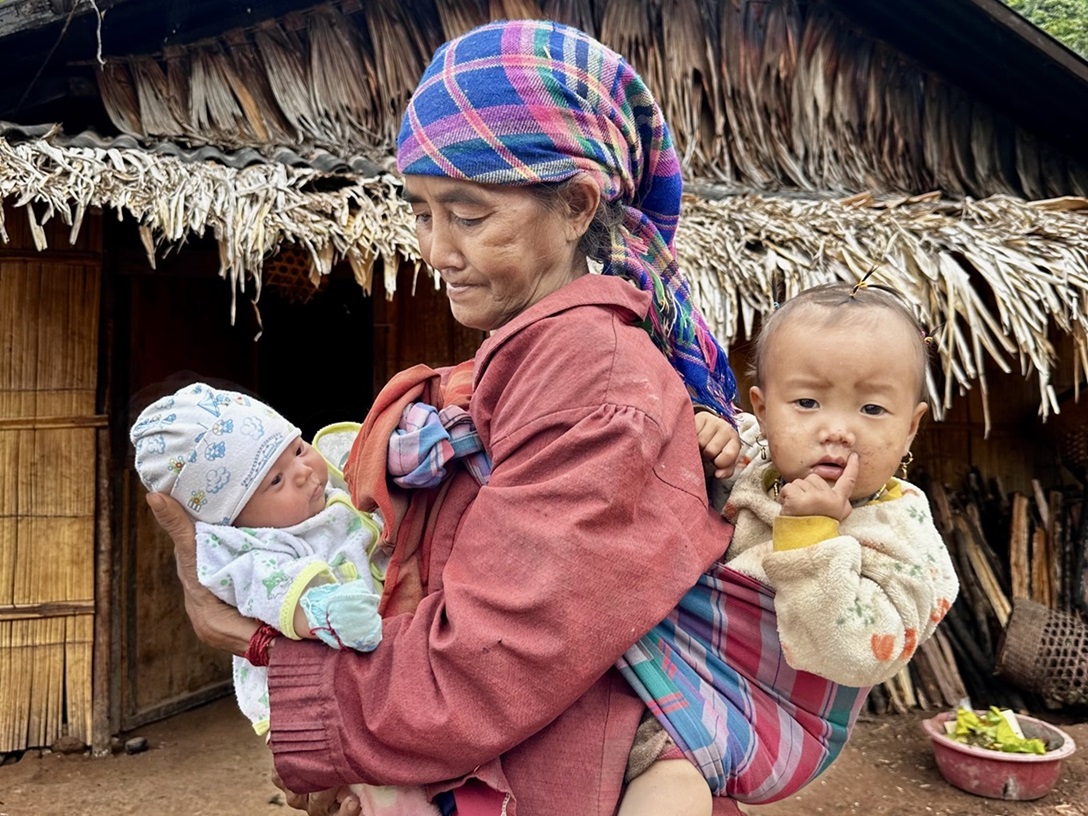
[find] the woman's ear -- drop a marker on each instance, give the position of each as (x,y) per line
(582,196)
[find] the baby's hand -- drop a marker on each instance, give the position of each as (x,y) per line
(812,496)
(719,443)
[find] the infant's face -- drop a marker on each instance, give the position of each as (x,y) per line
(292,491)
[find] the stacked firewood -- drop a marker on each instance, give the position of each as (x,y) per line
(1004,547)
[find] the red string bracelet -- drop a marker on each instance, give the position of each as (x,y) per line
(257,651)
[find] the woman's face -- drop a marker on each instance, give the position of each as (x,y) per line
(498,249)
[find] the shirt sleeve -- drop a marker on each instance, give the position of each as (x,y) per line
(854,607)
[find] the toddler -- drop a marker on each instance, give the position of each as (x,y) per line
(859,572)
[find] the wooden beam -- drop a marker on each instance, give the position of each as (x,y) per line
(27,15)
(57,609)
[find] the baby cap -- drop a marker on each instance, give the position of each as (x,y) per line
(209,449)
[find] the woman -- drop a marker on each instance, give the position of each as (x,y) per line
(527,149)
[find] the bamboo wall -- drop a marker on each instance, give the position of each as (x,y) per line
(49,303)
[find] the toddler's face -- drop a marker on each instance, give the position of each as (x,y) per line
(832,390)
(292,491)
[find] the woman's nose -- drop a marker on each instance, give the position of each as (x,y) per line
(442,246)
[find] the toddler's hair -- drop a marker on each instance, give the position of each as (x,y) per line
(833,304)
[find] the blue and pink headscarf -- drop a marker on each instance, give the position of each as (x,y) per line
(527,101)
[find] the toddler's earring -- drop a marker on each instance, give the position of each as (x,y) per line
(761,443)
(904,463)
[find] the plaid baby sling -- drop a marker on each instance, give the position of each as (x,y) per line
(714,675)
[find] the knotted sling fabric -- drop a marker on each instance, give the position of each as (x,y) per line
(526,102)
(714,675)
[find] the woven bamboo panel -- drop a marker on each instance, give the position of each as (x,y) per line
(48,454)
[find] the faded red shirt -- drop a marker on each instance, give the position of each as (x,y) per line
(594,523)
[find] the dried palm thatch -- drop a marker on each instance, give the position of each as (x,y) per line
(776,94)
(992,278)
(251,212)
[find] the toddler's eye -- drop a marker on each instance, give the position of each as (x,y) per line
(872,410)
(806,402)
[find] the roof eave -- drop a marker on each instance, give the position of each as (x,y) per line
(992,52)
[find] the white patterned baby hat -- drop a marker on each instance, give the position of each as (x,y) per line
(208,448)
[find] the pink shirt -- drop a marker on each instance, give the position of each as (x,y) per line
(593,525)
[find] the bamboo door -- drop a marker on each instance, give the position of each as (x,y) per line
(49,305)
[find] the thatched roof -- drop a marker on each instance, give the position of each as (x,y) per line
(994,278)
(785,112)
(771,95)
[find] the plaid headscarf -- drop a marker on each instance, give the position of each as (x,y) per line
(523,102)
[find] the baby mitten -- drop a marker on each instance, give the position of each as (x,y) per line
(344,615)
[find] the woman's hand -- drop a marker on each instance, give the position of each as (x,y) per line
(216,623)
(333,802)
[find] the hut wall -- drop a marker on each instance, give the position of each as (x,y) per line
(173,327)
(417,327)
(49,421)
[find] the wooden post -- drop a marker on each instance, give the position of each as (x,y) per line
(103,593)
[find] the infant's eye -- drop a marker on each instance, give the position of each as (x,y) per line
(276,480)
(872,410)
(806,402)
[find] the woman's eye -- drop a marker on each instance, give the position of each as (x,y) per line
(422,218)
(468,222)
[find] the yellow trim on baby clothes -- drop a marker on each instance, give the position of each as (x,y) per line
(892,490)
(335,468)
(298,586)
(367,520)
(262,727)
(796,532)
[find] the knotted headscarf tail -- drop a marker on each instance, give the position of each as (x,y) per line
(521,102)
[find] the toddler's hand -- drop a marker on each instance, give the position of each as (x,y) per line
(812,496)
(719,443)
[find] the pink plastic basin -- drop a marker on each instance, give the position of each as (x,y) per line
(995,774)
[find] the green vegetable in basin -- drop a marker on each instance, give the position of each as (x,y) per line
(995,729)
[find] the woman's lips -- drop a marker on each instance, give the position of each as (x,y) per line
(455,289)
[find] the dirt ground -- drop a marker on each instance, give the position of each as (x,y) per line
(206,762)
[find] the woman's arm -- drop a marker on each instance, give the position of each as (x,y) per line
(216,623)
